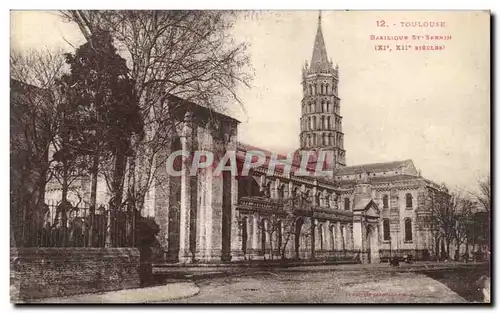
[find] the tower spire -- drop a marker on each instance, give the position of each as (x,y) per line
(319,56)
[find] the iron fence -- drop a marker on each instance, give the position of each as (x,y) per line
(79,226)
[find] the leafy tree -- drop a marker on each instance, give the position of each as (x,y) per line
(101,112)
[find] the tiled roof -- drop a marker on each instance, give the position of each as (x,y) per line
(377,179)
(372,168)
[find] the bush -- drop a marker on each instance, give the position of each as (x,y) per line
(146,230)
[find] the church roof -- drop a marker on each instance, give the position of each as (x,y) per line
(373,167)
(319,56)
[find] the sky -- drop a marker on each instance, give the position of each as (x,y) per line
(429,106)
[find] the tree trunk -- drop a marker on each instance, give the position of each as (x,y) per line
(93,196)
(117,193)
(271,245)
(442,249)
(131,199)
(437,247)
(118,177)
(457,252)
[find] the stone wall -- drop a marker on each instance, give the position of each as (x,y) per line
(54,272)
(417,254)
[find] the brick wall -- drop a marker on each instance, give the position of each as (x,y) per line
(54,272)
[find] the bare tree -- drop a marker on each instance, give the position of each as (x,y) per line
(188,54)
(282,225)
(482,228)
(484,195)
(446,218)
(428,219)
(462,230)
(34,126)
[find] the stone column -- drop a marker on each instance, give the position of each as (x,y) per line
(338,237)
(201,221)
(236,231)
(204,218)
(351,237)
(375,246)
(314,237)
(347,238)
(184,231)
(255,236)
(314,191)
(327,237)
(208,215)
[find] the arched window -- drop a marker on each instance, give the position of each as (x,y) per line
(321,122)
(314,123)
(409,201)
(328,123)
(322,88)
(316,199)
(315,89)
(310,123)
(315,142)
(323,136)
(332,141)
(311,107)
(327,106)
(408,230)
(347,204)
(310,90)
(387,229)
(281,192)
(308,140)
(385,201)
(326,89)
(324,107)
(307,195)
(268,190)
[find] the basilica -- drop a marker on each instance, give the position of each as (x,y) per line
(361,213)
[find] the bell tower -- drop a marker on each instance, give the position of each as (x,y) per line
(321,123)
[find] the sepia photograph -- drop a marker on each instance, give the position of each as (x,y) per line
(250,157)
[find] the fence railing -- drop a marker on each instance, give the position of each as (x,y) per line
(56,225)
